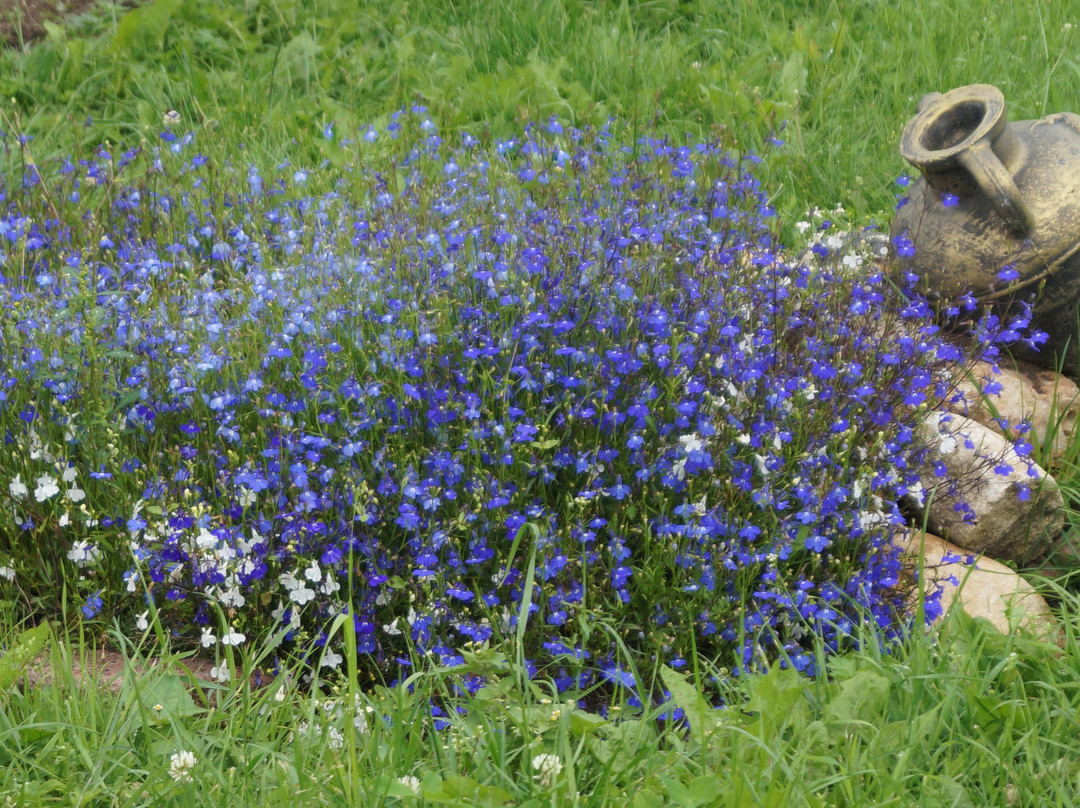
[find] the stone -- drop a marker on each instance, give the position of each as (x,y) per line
(1050,400)
(986,589)
(969,463)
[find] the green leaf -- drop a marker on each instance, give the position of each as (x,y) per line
(860,698)
(777,701)
(143,27)
(583,723)
(21,653)
(167,698)
(699,713)
(457,789)
(646,799)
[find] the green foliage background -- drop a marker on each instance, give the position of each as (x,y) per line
(845,76)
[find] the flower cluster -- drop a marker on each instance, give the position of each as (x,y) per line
(470,393)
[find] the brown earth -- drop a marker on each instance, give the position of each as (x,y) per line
(22,21)
(104,668)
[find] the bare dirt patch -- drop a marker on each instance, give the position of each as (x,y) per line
(23,21)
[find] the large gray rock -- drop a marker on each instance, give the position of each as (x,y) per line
(986,589)
(979,494)
(1048,399)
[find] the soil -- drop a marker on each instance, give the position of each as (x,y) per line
(104,668)
(21,21)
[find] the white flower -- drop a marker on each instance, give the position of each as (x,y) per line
(691,443)
(141,623)
(331,659)
(170,118)
(221,673)
(547,768)
(69,474)
(247,497)
(83,552)
(918,493)
(180,766)
(391,628)
(17,487)
(313,573)
(233,638)
(7,573)
(232,598)
(76,494)
(411,783)
(46,487)
(208,638)
(65,519)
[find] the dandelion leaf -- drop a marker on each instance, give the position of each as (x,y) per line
(860,698)
(167,698)
(21,653)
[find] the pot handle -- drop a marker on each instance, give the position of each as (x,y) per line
(998,186)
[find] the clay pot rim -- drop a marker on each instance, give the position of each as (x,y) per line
(933,109)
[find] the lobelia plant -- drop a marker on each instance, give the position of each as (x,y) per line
(552,393)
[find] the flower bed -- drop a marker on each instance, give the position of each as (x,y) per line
(554,393)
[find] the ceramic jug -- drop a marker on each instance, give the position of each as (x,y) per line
(995,194)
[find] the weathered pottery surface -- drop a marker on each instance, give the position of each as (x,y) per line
(1014,199)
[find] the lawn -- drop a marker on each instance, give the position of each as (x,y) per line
(432,391)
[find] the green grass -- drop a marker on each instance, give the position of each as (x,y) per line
(964,717)
(845,75)
(975,718)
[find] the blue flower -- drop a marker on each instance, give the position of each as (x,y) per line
(93,605)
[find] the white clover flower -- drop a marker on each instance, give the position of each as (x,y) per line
(547,768)
(180,766)
(233,638)
(46,487)
(17,487)
(411,783)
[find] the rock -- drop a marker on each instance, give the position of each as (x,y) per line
(986,589)
(1020,391)
(1013,507)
